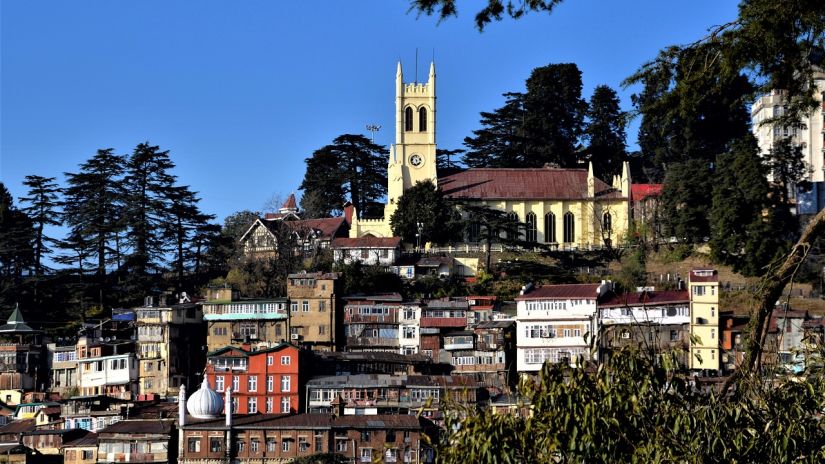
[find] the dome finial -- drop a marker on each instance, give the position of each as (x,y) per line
(205,403)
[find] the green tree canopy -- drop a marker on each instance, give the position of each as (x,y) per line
(605,133)
(351,168)
(43,209)
(425,204)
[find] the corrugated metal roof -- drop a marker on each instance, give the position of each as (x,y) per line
(563,291)
(523,184)
(367,242)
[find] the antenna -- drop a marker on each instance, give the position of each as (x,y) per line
(416,65)
(373,128)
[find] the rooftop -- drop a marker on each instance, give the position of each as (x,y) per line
(645,298)
(367,242)
(522,184)
(561,292)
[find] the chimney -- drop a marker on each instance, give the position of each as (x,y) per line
(348,209)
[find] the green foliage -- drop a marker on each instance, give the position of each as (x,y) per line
(634,269)
(685,201)
(321,458)
(744,232)
(605,133)
(534,128)
(16,249)
(351,168)
(493,226)
(425,204)
(493,11)
(357,277)
(635,409)
(43,209)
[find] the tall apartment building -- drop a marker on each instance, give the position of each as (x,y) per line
(235,322)
(107,367)
(315,319)
(63,368)
(810,137)
(170,341)
(22,358)
(703,285)
(371,322)
(552,321)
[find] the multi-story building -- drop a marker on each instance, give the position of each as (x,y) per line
(315,319)
(170,342)
(409,327)
(491,361)
(63,368)
(107,367)
(371,322)
(655,321)
(703,285)
(23,364)
(234,322)
(810,136)
(439,317)
(481,308)
(265,381)
(383,251)
(552,321)
(92,413)
(81,450)
(142,441)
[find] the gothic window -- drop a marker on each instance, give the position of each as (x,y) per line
(569,227)
(474,232)
(550,228)
(607,223)
(408,119)
(512,217)
(422,119)
(532,234)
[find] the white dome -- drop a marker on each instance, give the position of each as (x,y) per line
(205,403)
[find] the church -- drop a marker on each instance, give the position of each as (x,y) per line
(561,208)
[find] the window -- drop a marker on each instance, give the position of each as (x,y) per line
(240,444)
(322,306)
(236,383)
(550,228)
(607,223)
(286,382)
(285,445)
(322,329)
(712,311)
(285,406)
(319,442)
(293,306)
(341,445)
(254,445)
(422,119)
(712,334)
(215,445)
(194,445)
(270,360)
(270,383)
(270,405)
(409,331)
(569,227)
(305,306)
(252,383)
(303,445)
(674,335)
(285,360)
(365,435)
(712,354)
(147,384)
(366,454)
(271,444)
(390,437)
(149,366)
(531,231)
(219,383)
(408,119)
(698,290)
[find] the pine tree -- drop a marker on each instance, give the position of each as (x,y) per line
(351,168)
(149,184)
(686,200)
(16,249)
(93,209)
(187,221)
(500,142)
(605,132)
(43,201)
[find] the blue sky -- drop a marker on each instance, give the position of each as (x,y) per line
(242,92)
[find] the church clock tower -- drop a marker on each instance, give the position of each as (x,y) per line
(412,157)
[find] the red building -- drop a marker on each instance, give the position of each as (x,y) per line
(264,381)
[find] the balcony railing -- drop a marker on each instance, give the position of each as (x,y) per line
(372,341)
(443,322)
(380,319)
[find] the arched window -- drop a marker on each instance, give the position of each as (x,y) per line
(408,119)
(607,223)
(569,227)
(513,231)
(550,228)
(474,231)
(532,233)
(422,119)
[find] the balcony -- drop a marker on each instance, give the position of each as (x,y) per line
(458,344)
(372,341)
(377,319)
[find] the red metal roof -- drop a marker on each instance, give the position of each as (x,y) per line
(512,184)
(646,298)
(327,227)
(639,192)
(367,242)
(694,277)
(564,291)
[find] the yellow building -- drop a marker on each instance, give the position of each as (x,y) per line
(315,319)
(563,208)
(703,285)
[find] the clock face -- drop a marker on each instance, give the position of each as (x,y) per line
(416,160)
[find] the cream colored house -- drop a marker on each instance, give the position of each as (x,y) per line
(562,208)
(703,285)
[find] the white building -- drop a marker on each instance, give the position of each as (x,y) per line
(368,250)
(409,330)
(552,321)
(809,137)
(109,370)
